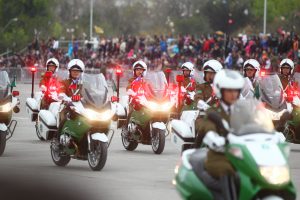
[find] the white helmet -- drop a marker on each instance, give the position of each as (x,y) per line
(189,66)
(253,64)
(289,63)
(212,66)
(227,79)
(52,61)
(140,65)
(76,64)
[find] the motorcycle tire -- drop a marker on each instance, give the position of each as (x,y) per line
(128,145)
(97,162)
(158,141)
(59,160)
(2,142)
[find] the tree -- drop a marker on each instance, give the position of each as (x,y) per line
(31,14)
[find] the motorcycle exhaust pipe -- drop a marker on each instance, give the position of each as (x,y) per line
(16,109)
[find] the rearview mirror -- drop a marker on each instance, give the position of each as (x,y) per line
(15,93)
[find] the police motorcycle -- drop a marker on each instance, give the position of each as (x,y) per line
(84,132)
(256,151)
(273,95)
(43,98)
(9,103)
(292,121)
(147,122)
(183,132)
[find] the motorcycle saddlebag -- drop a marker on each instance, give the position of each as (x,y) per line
(46,124)
(32,108)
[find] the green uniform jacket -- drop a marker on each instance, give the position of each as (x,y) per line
(65,88)
(204,91)
(216,163)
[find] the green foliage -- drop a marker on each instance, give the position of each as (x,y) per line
(32,15)
(281,13)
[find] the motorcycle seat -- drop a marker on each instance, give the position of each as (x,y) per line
(197,160)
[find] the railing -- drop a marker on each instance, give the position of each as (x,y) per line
(24,75)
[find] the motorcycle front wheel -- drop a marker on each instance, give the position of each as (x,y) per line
(158,140)
(2,142)
(98,155)
(129,145)
(59,160)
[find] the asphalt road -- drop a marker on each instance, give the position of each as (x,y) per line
(126,175)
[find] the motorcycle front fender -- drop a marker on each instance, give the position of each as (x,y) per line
(159,125)
(3,127)
(100,137)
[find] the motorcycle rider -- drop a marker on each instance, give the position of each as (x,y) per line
(204,91)
(76,67)
(188,72)
(136,112)
(52,65)
(227,86)
(286,72)
(251,69)
(139,71)
(189,84)
(71,87)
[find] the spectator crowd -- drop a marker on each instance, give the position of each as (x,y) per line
(162,51)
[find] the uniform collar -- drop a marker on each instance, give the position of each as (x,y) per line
(226,108)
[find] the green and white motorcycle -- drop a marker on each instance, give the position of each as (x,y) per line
(9,103)
(257,152)
(84,133)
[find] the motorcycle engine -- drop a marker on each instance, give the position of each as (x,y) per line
(65,140)
(132,127)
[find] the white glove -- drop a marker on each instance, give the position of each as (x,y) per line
(130,92)
(43,88)
(192,95)
(63,97)
(214,141)
(296,101)
(201,105)
(183,89)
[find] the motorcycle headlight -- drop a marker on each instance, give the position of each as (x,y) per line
(6,107)
(98,116)
(276,175)
(159,107)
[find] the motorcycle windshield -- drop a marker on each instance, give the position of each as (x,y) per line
(4,84)
(297,80)
(95,90)
(62,74)
(198,76)
(248,90)
(249,116)
(156,84)
(272,93)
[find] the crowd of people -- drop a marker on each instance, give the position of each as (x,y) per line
(162,51)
